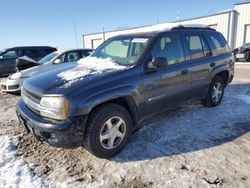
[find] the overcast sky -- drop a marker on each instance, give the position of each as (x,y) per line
(51,22)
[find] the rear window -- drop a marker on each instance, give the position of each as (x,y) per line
(49,50)
(220,44)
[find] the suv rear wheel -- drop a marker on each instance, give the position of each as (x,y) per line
(215,93)
(108,130)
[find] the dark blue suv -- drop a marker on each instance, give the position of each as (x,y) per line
(99,103)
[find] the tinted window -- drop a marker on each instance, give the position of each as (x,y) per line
(195,46)
(10,54)
(170,47)
(247,45)
(49,50)
(32,53)
(220,44)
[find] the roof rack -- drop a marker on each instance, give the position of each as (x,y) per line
(170,26)
(182,27)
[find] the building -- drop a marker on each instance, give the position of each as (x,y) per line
(234,24)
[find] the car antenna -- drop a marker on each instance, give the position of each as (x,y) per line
(75,34)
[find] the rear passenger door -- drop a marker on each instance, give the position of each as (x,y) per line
(199,64)
(170,85)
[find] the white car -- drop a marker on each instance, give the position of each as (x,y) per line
(53,60)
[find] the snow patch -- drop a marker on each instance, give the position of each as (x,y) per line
(89,66)
(168,26)
(15,172)
(245,98)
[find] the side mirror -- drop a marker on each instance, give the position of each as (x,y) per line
(158,62)
(1,57)
(57,61)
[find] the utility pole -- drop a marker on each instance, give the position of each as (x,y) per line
(103,34)
(211,9)
(75,34)
(178,16)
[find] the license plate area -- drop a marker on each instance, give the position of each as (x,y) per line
(239,56)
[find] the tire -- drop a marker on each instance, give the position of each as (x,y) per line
(218,86)
(248,57)
(103,137)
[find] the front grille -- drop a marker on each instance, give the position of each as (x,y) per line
(3,87)
(13,87)
(32,101)
(34,96)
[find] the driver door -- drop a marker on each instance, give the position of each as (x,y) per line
(168,86)
(8,62)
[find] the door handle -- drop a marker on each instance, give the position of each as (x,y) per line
(184,71)
(212,64)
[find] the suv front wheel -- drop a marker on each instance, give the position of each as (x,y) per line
(215,93)
(108,130)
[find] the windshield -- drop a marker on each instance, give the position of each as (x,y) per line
(48,57)
(247,45)
(124,51)
(1,51)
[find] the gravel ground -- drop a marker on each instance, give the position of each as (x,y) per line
(191,146)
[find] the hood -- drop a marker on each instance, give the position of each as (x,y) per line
(26,58)
(33,71)
(66,79)
(25,62)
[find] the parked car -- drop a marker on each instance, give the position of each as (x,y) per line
(242,54)
(8,56)
(53,60)
(99,103)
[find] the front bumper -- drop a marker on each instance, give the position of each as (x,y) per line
(62,134)
(11,85)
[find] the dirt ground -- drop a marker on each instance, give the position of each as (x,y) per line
(192,146)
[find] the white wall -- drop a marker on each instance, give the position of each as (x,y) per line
(232,24)
(243,20)
(221,22)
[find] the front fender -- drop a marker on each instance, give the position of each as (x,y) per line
(86,105)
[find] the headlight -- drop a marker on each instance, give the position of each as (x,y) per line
(54,107)
(15,76)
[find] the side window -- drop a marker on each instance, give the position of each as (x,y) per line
(32,53)
(220,44)
(86,53)
(170,47)
(195,46)
(206,49)
(10,54)
(49,50)
(70,56)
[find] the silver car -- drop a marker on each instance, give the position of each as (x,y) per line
(53,60)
